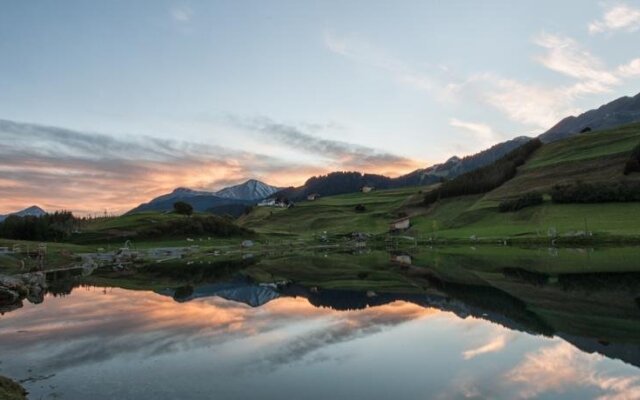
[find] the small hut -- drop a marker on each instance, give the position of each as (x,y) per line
(401,224)
(367,189)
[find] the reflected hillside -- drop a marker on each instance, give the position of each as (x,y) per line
(597,310)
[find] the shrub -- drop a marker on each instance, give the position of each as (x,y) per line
(360,208)
(181,207)
(604,192)
(633,164)
(526,200)
(486,178)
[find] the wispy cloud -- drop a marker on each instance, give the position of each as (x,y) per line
(338,154)
(182,13)
(494,345)
(364,52)
(566,56)
(619,17)
(482,134)
(87,172)
(539,106)
(552,368)
(631,69)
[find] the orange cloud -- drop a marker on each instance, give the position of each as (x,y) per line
(87,173)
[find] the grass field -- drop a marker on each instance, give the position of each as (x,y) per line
(591,157)
(335,214)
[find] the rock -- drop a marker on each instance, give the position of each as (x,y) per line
(247,243)
(36,294)
(8,296)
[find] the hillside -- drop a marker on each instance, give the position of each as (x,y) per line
(593,157)
(151,226)
(622,111)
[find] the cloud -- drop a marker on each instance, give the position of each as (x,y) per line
(88,172)
(339,154)
(567,57)
(481,133)
(616,18)
(553,368)
(182,14)
(363,52)
(630,69)
(496,344)
(540,106)
(533,105)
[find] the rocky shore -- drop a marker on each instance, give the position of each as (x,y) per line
(15,289)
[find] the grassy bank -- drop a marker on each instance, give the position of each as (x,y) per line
(10,390)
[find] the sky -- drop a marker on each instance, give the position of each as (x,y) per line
(104,105)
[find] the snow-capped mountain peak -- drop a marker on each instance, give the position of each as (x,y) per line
(250,190)
(33,211)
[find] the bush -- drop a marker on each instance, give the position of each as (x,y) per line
(360,208)
(604,192)
(198,225)
(527,200)
(633,164)
(487,178)
(181,207)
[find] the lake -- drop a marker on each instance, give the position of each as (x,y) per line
(439,323)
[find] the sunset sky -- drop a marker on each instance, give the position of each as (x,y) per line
(104,105)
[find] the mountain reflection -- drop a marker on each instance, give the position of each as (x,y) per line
(553,333)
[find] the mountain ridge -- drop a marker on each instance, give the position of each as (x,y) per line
(29,211)
(229,200)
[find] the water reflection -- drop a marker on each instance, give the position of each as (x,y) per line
(378,329)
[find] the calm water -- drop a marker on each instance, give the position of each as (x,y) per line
(518,336)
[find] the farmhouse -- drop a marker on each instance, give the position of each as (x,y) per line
(313,196)
(367,189)
(267,203)
(400,224)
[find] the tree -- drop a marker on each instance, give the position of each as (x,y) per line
(181,207)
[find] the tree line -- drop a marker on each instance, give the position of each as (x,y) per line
(486,178)
(49,227)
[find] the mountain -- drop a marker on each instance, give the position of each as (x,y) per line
(250,190)
(33,211)
(248,293)
(348,182)
(231,200)
(456,166)
(622,111)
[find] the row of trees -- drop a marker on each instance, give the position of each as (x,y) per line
(581,192)
(487,178)
(526,200)
(49,227)
(196,225)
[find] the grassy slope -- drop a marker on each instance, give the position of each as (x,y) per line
(598,156)
(335,215)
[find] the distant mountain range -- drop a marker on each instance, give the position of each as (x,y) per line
(231,200)
(622,111)
(33,211)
